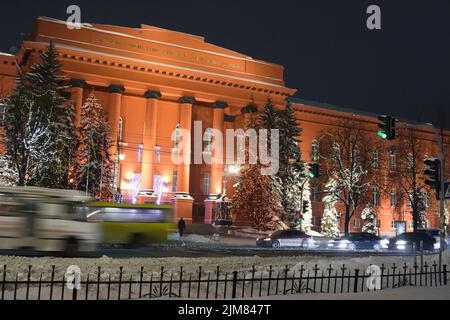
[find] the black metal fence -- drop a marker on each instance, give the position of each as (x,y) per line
(252,283)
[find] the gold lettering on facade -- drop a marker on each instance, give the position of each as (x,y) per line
(167,52)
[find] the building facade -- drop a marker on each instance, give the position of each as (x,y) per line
(154,82)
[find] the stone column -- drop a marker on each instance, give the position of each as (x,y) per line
(216,186)
(77,88)
(183,201)
(147,193)
(115,104)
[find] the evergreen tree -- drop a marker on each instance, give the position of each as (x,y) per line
(369,217)
(94,170)
(292,172)
(422,221)
(257,196)
(330,219)
(305,223)
(40,137)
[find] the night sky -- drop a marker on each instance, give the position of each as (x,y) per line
(329,54)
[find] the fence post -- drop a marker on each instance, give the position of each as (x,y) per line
(444,267)
(355,288)
(74,294)
(235,275)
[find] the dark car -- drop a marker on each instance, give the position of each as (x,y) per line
(285,238)
(356,241)
(405,242)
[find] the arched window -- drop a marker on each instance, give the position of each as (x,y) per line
(315,150)
(393,159)
(336,152)
(376,196)
(393,198)
(376,159)
(208,141)
(120,133)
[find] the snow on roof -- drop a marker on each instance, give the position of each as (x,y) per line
(6,54)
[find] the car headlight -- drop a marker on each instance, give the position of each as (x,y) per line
(268,239)
(401,243)
(437,245)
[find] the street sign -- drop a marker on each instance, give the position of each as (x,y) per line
(447,190)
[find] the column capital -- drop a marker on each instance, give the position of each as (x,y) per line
(228,118)
(220,105)
(250,108)
(187,99)
(116,88)
(151,94)
(77,83)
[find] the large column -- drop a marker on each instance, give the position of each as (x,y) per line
(77,87)
(183,202)
(147,194)
(217,165)
(115,104)
(216,186)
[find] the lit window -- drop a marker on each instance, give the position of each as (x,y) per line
(158,154)
(393,160)
(175,181)
(393,198)
(376,197)
(410,162)
(208,141)
(120,133)
(315,150)
(376,159)
(206,183)
(177,136)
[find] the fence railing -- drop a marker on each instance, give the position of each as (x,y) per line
(263,282)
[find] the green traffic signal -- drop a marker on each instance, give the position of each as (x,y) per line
(311,175)
(382,135)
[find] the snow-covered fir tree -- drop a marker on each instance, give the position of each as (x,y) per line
(305,223)
(292,172)
(330,218)
(422,221)
(257,196)
(39,134)
(8,174)
(370,221)
(95,167)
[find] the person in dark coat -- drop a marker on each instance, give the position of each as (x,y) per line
(181,227)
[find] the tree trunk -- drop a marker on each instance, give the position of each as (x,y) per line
(347,220)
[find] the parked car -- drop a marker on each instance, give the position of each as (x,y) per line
(405,242)
(285,238)
(357,241)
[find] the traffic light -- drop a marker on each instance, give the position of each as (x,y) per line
(314,170)
(305,207)
(433,171)
(387,127)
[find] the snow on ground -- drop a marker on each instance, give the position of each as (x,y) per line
(403,293)
(19,265)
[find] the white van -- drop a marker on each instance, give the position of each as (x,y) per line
(46,220)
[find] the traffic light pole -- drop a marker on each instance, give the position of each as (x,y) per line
(440,139)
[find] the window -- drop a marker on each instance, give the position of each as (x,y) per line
(393,198)
(206,183)
(336,152)
(378,223)
(316,194)
(393,225)
(316,221)
(375,159)
(376,197)
(2,113)
(175,181)
(208,141)
(410,162)
(425,198)
(355,154)
(393,160)
(177,136)
(158,154)
(315,150)
(357,223)
(411,225)
(410,198)
(120,133)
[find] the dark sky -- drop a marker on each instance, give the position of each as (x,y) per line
(329,54)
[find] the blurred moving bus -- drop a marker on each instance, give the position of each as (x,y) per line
(46,220)
(130,224)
